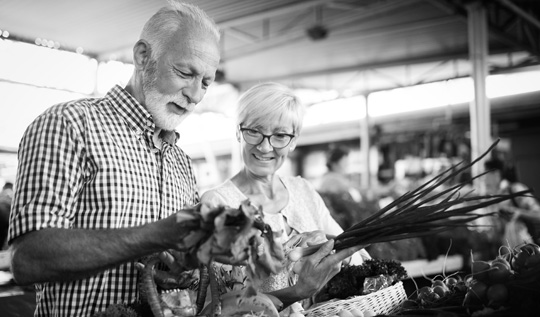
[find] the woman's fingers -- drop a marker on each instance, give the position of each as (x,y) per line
(323,251)
(342,254)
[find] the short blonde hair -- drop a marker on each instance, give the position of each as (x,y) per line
(159,29)
(270,101)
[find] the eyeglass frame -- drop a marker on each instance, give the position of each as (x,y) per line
(266,136)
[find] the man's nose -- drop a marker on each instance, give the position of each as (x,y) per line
(194,92)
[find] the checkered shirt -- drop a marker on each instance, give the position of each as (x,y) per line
(91,164)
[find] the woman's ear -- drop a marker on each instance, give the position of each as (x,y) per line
(292,145)
(238,135)
(141,54)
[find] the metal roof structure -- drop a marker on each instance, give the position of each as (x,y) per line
(353,46)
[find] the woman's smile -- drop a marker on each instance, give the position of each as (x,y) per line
(263,159)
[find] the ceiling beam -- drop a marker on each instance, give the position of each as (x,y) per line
(241,35)
(300,35)
(495,31)
(457,55)
(517,10)
(265,14)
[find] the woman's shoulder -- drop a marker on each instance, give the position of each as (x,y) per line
(226,193)
(297,183)
(300,189)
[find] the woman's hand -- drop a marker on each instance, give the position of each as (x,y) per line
(317,269)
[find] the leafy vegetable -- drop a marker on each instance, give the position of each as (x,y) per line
(350,280)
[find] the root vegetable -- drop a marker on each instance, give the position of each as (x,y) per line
(440,290)
(519,259)
(532,261)
(499,272)
(477,292)
(480,270)
(497,294)
(451,282)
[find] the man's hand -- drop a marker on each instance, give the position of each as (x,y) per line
(189,231)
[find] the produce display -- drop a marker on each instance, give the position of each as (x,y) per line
(239,236)
(508,285)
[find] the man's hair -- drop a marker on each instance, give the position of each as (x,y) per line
(168,20)
(267,102)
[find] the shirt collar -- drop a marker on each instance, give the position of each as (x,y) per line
(135,115)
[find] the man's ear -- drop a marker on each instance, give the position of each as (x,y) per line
(141,54)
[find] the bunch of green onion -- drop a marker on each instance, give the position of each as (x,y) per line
(427,210)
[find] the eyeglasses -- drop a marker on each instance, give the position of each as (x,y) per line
(276,140)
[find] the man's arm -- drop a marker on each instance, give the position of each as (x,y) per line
(54,254)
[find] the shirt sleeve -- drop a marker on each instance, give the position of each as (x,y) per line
(49,176)
(326,222)
(330,226)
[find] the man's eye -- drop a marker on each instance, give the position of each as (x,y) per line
(181,73)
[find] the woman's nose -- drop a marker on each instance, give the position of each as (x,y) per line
(265,145)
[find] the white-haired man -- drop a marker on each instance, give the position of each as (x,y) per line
(100,180)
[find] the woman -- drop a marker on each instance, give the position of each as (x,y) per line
(269,121)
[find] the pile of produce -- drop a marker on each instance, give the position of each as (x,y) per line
(175,283)
(508,285)
(355,280)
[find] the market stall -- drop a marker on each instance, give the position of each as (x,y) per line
(240,237)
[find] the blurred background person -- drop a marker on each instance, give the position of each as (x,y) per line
(520,216)
(6,195)
(340,196)
(335,180)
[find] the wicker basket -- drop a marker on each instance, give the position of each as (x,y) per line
(385,301)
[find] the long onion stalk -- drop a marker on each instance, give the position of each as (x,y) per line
(417,213)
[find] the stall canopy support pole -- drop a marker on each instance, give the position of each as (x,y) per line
(479,107)
(364,149)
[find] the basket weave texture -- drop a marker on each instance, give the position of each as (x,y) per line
(385,301)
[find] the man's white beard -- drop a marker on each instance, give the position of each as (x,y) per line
(156,102)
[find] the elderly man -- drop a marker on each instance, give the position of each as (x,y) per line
(100,181)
